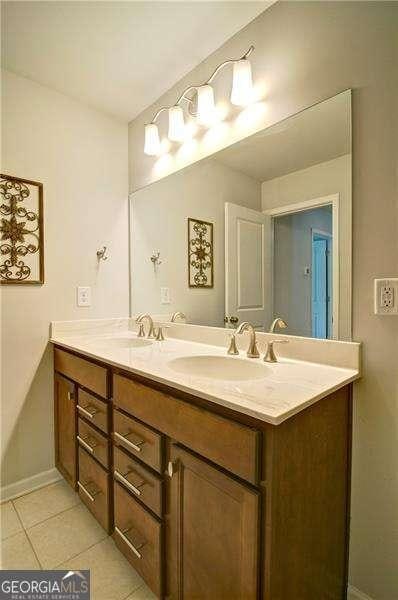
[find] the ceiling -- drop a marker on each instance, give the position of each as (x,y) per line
(118,57)
(315,135)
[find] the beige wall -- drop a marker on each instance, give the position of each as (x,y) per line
(159,222)
(80,156)
(306,52)
(323,179)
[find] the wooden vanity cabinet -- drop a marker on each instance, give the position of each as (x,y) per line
(139,536)
(142,483)
(88,374)
(65,428)
(94,488)
(213,532)
(94,442)
(82,431)
(207,503)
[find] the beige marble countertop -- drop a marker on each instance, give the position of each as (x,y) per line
(287,387)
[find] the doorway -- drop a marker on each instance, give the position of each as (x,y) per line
(321,271)
(305,267)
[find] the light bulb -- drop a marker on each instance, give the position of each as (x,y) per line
(176,124)
(152,141)
(242,85)
(206,107)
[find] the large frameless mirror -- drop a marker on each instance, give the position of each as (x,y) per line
(259,230)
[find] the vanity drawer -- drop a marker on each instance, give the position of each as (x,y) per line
(138,480)
(82,371)
(93,409)
(138,536)
(223,441)
(94,442)
(93,486)
(140,441)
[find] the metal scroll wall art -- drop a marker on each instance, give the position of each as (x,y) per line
(200,254)
(21,231)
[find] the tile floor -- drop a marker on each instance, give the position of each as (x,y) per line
(51,528)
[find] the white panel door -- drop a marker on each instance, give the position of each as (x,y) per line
(248,293)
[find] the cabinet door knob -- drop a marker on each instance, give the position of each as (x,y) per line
(170,469)
(71,396)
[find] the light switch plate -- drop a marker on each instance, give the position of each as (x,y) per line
(386,296)
(165,295)
(84,296)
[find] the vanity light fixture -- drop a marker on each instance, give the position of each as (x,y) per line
(200,103)
(152,141)
(176,124)
(242,85)
(206,108)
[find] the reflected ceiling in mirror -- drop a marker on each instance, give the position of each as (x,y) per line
(278,205)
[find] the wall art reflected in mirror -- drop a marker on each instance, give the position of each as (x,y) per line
(279,203)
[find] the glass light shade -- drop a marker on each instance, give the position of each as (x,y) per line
(206,107)
(152,141)
(242,85)
(176,124)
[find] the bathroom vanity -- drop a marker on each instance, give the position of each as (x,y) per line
(210,494)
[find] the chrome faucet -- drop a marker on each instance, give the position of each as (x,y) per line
(278,322)
(140,319)
(177,315)
(252,351)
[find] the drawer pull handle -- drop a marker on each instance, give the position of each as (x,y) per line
(85,491)
(85,445)
(128,484)
(136,446)
(87,413)
(129,544)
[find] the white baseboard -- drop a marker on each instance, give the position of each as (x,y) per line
(356,594)
(24,486)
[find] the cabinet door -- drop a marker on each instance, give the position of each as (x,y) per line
(213,539)
(65,428)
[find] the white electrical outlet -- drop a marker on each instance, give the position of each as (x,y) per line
(386,296)
(84,296)
(165,295)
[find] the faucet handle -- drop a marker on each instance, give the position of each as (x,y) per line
(160,331)
(151,333)
(159,334)
(141,331)
(270,355)
(232,345)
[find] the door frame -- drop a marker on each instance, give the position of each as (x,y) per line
(332,200)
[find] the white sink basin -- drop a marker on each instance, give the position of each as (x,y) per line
(220,367)
(120,342)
